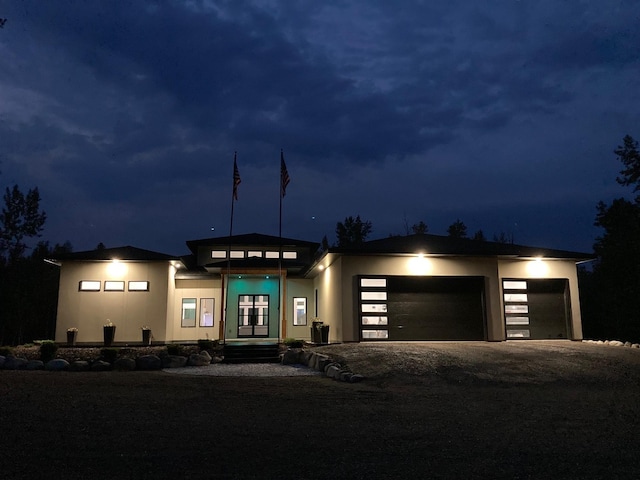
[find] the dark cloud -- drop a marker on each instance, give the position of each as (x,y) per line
(126,114)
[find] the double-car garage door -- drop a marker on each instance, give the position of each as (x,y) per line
(400,308)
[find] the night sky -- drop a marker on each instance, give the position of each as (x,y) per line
(503,114)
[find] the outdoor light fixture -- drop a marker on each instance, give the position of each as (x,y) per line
(537,268)
(116,268)
(420,264)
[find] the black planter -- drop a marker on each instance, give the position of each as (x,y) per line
(109,335)
(146,336)
(71,338)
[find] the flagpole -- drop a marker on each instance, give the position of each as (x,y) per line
(282,322)
(284,181)
(234,197)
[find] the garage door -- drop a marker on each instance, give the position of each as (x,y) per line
(424,308)
(537,309)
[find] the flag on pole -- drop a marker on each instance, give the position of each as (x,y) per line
(236,178)
(284,176)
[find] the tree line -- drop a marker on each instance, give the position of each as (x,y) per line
(28,285)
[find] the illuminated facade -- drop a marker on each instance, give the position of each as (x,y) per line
(263,288)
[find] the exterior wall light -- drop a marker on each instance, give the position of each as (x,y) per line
(117,269)
(537,268)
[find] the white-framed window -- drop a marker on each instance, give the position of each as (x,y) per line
(218,254)
(289,255)
(237,254)
(269,254)
(373,282)
(254,253)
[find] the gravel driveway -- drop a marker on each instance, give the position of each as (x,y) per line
(497,362)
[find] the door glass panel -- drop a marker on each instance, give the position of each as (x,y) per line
(253,315)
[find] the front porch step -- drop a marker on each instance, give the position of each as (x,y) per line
(251,353)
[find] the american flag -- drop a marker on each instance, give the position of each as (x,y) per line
(236,178)
(284,176)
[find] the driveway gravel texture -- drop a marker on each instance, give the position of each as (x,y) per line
(475,410)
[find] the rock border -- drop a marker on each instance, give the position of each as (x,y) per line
(321,363)
(121,364)
(613,343)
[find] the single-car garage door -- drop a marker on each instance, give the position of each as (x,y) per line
(427,308)
(537,308)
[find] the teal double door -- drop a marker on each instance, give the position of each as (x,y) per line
(252,309)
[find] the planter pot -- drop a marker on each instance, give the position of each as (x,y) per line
(71,338)
(146,337)
(109,335)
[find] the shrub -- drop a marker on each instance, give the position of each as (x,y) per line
(109,354)
(206,344)
(6,351)
(48,349)
(174,349)
(293,343)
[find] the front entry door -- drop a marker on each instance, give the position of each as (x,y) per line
(253,315)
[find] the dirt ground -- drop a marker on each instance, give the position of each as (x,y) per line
(428,410)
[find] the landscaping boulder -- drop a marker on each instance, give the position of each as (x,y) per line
(15,363)
(100,366)
(356,378)
(333,371)
(173,361)
(199,359)
(148,362)
(57,365)
(124,364)
(79,366)
(305,357)
(291,357)
(35,365)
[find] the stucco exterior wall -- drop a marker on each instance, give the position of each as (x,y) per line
(299,287)
(198,289)
(566,269)
(329,286)
(128,311)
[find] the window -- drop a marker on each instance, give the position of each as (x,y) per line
(188,312)
(206,312)
(300,310)
(113,286)
(89,286)
(254,253)
(290,255)
(237,254)
(271,254)
(218,254)
(138,286)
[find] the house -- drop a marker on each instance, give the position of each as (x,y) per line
(261,287)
